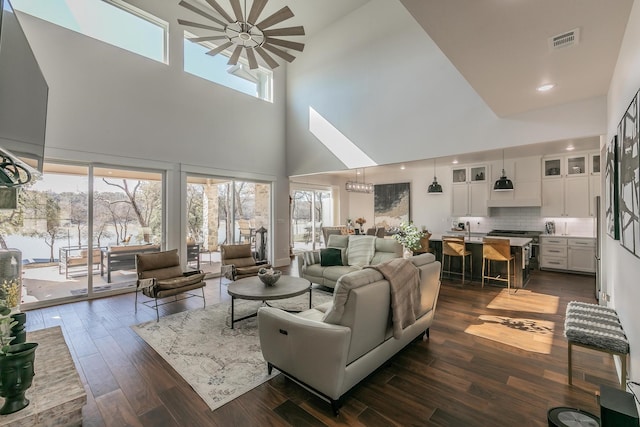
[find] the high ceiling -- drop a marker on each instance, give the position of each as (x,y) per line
(502,47)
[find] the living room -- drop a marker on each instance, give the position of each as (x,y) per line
(110,107)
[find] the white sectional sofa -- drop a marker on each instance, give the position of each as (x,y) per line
(310,263)
(330,350)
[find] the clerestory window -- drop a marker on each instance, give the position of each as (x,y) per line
(239,77)
(111,21)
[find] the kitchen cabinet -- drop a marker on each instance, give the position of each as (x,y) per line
(553,252)
(526,174)
(581,255)
(469,191)
(575,254)
(566,189)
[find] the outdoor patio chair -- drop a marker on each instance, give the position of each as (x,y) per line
(160,276)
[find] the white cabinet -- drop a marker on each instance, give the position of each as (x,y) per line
(469,191)
(581,254)
(553,252)
(566,187)
(526,174)
(576,254)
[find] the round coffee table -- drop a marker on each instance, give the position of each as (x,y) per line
(252,288)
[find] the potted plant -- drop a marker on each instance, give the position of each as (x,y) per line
(16,365)
(409,236)
(361,221)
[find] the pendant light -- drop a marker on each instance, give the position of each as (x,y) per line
(504,183)
(434,188)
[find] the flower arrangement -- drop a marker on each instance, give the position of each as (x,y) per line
(360,221)
(409,236)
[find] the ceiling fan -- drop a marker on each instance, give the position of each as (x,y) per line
(246,33)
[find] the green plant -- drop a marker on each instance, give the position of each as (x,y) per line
(6,323)
(409,236)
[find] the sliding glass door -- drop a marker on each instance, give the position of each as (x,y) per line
(226,211)
(310,211)
(67,224)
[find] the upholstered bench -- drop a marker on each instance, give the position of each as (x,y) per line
(598,328)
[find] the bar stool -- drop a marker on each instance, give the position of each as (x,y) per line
(497,250)
(453,246)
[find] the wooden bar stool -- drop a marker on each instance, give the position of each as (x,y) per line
(453,246)
(497,250)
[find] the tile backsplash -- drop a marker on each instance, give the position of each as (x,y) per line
(528,218)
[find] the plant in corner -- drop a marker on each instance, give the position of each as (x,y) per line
(409,236)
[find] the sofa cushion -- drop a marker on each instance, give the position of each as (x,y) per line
(342,289)
(330,257)
(335,272)
(179,282)
(386,249)
(338,241)
(360,250)
(422,259)
(311,257)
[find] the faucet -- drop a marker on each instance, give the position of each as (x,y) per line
(468,225)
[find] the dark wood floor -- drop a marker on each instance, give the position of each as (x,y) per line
(455,379)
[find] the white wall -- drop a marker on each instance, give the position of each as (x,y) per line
(377,77)
(621,268)
(108,103)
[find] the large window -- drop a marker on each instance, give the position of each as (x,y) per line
(64,249)
(239,77)
(112,21)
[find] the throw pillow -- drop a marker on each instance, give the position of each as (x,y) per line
(360,250)
(330,257)
(311,257)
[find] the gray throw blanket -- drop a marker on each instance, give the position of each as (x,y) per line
(404,281)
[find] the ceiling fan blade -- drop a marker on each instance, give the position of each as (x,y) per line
(214,4)
(277,17)
(201,12)
(286,43)
(196,25)
(281,53)
(251,56)
(206,39)
(267,58)
(237,9)
(287,31)
(235,56)
(256,9)
(219,49)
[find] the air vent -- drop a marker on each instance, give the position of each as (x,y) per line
(567,39)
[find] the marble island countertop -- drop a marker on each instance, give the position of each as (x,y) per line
(477,238)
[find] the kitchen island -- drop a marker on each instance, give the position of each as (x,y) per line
(520,248)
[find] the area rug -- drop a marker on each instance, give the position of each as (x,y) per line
(218,362)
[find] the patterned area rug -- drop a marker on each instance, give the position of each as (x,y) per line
(218,362)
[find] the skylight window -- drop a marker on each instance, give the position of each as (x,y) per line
(239,77)
(111,21)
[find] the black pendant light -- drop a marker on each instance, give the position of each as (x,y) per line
(434,188)
(504,183)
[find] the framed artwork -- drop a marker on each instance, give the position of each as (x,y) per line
(629,168)
(392,204)
(611,205)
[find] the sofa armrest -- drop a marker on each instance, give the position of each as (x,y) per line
(311,351)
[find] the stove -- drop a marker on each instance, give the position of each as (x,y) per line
(534,251)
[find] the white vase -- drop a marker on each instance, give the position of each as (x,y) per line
(407,253)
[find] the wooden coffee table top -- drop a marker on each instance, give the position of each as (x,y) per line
(252,288)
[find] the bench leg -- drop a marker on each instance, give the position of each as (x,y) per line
(569,363)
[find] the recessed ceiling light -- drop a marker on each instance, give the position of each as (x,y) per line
(402,167)
(570,148)
(546,87)
(455,162)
